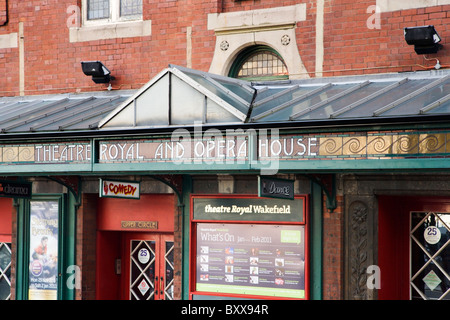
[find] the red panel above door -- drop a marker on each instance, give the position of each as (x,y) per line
(159,208)
(6,209)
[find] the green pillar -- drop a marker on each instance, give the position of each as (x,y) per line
(185,223)
(316,242)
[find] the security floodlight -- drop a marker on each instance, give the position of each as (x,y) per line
(96,69)
(425,39)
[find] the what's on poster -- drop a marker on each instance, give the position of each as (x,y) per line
(43,273)
(266,260)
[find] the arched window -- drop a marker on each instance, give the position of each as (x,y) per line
(259,63)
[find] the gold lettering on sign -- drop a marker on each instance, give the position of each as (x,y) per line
(139,224)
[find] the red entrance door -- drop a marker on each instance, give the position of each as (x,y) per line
(411,265)
(147,263)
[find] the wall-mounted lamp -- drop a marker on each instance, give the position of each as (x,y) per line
(425,39)
(96,69)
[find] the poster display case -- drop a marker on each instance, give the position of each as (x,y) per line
(249,247)
(44,242)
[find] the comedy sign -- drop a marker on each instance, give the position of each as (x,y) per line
(119,189)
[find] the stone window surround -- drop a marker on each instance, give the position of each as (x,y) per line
(109,28)
(111,31)
(9,40)
(237,30)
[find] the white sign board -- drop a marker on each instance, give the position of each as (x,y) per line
(432,235)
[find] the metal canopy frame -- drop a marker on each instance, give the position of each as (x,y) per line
(55,113)
(301,101)
(214,100)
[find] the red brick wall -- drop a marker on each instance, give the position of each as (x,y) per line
(353,48)
(3,12)
(52,63)
(333,251)
(86,245)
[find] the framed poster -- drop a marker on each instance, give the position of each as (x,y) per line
(43,253)
(262,260)
(245,251)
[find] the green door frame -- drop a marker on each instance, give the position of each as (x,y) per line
(66,245)
(316,241)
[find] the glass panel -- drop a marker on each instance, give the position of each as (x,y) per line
(266,91)
(430,255)
(5,271)
(130,7)
(86,120)
(307,103)
(325,111)
(217,114)
(43,272)
(98,9)
(237,89)
(5,289)
(5,256)
(168,262)
(187,104)
(262,64)
(414,105)
(152,105)
(222,93)
(142,277)
(432,283)
(443,108)
(273,103)
(367,109)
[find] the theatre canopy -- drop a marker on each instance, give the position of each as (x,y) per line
(180,96)
(339,123)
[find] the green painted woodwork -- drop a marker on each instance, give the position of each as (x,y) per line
(186,223)
(316,235)
(66,244)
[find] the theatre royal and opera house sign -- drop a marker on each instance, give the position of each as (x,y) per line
(257,146)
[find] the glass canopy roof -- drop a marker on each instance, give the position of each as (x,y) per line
(178,96)
(192,96)
(55,112)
